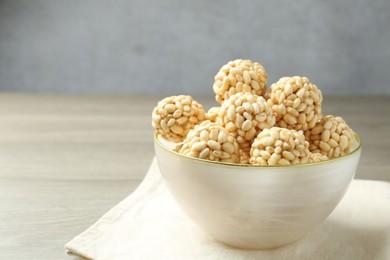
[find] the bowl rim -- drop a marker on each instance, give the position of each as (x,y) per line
(358,148)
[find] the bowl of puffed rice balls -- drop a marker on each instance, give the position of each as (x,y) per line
(264,167)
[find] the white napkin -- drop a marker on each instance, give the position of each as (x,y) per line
(149,225)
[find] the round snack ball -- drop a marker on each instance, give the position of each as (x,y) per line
(175,116)
(296,102)
(331,137)
(240,76)
(279,146)
(245,115)
(212,114)
(317,157)
(211,142)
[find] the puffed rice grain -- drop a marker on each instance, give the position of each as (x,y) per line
(244,156)
(317,157)
(212,114)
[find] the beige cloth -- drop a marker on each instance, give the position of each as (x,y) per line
(149,225)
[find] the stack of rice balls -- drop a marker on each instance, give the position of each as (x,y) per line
(280,126)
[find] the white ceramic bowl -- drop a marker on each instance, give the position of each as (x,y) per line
(256,207)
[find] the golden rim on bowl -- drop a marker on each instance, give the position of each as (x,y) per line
(358,147)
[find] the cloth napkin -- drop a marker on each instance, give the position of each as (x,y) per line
(149,225)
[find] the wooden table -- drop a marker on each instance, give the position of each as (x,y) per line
(65,160)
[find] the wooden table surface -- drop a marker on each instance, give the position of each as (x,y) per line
(65,160)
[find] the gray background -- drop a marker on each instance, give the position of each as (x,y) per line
(176,47)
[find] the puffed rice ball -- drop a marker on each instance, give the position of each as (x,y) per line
(212,114)
(240,76)
(175,116)
(331,137)
(296,102)
(211,142)
(317,157)
(245,115)
(279,146)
